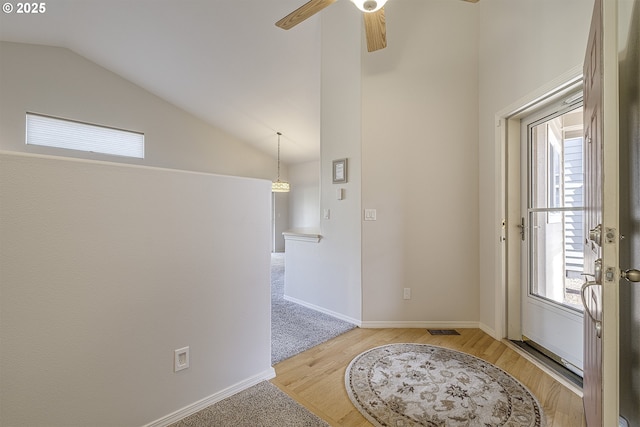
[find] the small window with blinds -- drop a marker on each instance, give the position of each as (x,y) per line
(72,135)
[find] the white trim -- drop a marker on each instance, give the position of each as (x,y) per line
(566,80)
(19,154)
(489,331)
(324,310)
(302,235)
(214,398)
(427,324)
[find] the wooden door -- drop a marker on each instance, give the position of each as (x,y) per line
(600,292)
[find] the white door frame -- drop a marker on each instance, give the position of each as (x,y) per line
(507,139)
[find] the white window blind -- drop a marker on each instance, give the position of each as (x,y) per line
(53,132)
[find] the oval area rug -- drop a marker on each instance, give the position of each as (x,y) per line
(425,385)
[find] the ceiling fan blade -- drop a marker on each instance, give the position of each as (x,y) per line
(303,12)
(472,1)
(376,30)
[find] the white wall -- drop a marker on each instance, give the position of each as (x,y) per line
(93,306)
(328,274)
(304,198)
(58,82)
(396,115)
(428,155)
(419,163)
(522,46)
(106,269)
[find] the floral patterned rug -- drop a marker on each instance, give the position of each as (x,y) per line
(424,385)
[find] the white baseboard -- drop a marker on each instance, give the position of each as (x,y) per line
(324,310)
(419,324)
(214,398)
(489,331)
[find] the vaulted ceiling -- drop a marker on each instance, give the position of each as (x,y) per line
(223,61)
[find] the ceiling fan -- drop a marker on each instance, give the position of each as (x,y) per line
(374,21)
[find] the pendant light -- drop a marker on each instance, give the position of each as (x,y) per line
(279,186)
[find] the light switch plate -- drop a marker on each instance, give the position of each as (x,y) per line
(326,214)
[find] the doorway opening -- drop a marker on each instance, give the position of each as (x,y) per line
(295,327)
(552,235)
(540,139)
(279,220)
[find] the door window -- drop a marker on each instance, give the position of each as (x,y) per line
(556,208)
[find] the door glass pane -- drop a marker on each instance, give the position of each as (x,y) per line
(556,208)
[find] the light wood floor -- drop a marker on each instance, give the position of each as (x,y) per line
(315,378)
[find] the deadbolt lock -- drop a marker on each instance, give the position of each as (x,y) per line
(595,235)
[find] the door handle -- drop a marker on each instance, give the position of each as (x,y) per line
(586,285)
(631,275)
(597,274)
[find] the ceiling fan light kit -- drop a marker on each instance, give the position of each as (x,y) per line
(369,6)
(374,20)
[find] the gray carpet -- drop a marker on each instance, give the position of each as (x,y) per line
(295,328)
(263,405)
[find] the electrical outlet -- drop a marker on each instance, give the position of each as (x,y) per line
(369,214)
(407,293)
(180,359)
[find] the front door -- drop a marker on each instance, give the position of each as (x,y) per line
(629,13)
(600,291)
